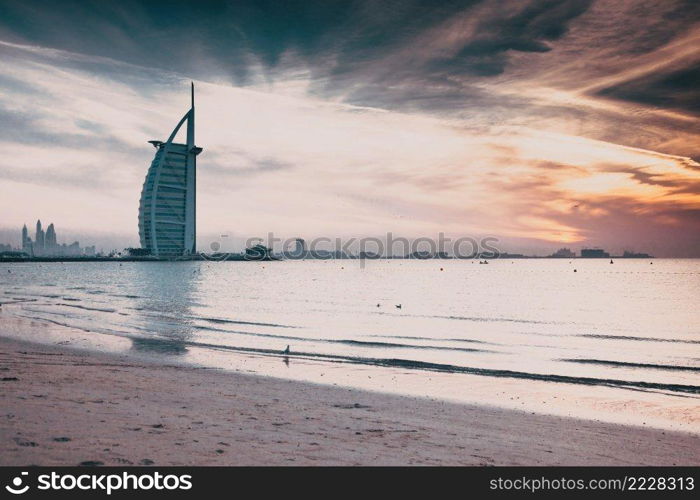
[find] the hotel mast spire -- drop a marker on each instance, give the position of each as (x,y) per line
(190,122)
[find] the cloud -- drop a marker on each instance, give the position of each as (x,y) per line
(539,121)
(675,90)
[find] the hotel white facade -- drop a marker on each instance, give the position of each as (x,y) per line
(168,206)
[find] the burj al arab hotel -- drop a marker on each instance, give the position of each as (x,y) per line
(168,207)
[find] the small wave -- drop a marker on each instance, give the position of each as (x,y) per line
(447,339)
(422,365)
(403,346)
(101,329)
(19,300)
(360,343)
(487,372)
(637,339)
(489,320)
(88,308)
(54,322)
(632,365)
(27,294)
(479,319)
(239,322)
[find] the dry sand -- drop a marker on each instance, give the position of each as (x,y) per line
(65,407)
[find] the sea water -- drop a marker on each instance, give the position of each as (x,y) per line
(618,342)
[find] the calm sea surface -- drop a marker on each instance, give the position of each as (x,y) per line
(613,341)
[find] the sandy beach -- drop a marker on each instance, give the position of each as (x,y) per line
(67,407)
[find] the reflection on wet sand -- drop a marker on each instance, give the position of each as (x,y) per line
(167,298)
(158,346)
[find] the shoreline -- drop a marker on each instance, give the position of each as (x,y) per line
(63,406)
(236,257)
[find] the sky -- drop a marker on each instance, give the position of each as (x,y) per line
(543,123)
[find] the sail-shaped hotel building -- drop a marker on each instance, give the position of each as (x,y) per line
(168,211)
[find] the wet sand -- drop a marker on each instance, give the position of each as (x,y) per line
(60,406)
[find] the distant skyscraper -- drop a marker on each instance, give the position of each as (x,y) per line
(167,211)
(39,239)
(26,241)
(50,240)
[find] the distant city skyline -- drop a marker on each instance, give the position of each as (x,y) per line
(44,243)
(12,240)
(545,124)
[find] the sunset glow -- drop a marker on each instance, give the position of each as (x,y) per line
(419,134)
